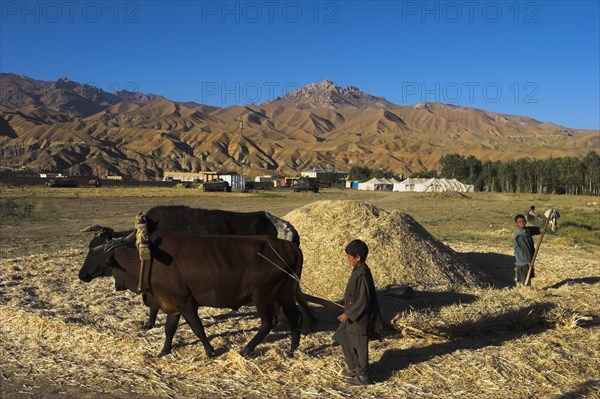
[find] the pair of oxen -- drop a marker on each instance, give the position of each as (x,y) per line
(212,258)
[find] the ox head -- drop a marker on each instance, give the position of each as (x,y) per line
(124,278)
(93,265)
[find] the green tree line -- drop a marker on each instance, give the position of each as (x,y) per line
(568,175)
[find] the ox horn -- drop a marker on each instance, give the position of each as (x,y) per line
(94,228)
(130,237)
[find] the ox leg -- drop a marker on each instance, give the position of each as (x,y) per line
(170,328)
(150,301)
(151,319)
(191,316)
(265,311)
(293,315)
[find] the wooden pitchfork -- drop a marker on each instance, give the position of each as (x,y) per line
(530,270)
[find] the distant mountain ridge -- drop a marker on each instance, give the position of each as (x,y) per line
(63,95)
(81,130)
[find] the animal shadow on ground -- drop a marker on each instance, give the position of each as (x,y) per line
(583,390)
(390,306)
(489,330)
(498,268)
(582,280)
(210,323)
(280,331)
(245,312)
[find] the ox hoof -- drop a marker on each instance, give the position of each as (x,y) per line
(290,354)
(210,351)
(152,356)
(146,327)
(247,353)
(163,354)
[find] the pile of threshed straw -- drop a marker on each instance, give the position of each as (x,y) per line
(401,251)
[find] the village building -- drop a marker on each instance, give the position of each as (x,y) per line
(52,175)
(265,179)
(236,181)
(190,176)
(325,177)
(329,174)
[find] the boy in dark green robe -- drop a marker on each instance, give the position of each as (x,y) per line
(361,317)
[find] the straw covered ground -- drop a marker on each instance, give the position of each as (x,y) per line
(467,333)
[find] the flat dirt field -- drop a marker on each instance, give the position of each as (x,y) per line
(60,337)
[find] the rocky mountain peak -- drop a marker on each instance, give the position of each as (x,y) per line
(324,85)
(64,83)
(327,94)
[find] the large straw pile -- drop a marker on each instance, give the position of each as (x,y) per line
(401,251)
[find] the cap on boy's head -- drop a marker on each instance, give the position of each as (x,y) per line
(358,248)
(519,217)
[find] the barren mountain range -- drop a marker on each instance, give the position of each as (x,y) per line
(82,130)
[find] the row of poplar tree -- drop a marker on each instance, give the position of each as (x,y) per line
(567,175)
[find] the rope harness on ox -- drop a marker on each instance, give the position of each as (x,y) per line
(112,244)
(142,243)
(294,275)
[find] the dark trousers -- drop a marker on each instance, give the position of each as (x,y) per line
(356,352)
(521,272)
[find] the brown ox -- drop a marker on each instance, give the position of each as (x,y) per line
(188,220)
(188,271)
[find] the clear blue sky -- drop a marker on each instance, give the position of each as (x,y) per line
(534,58)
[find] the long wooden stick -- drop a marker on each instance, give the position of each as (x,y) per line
(530,270)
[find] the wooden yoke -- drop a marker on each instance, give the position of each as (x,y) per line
(530,270)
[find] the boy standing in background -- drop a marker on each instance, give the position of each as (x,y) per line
(524,248)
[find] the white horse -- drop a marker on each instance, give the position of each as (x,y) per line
(552,215)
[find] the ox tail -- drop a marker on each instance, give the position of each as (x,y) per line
(307,317)
(326,303)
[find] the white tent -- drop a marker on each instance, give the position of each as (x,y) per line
(376,184)
(433,185)
(415,184)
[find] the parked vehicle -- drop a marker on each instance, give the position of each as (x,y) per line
(215,186)
(306,184)
(61,183)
